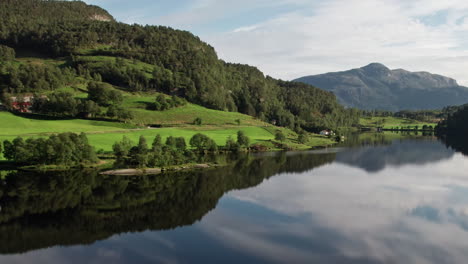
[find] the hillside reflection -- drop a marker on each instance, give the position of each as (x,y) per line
(40,210)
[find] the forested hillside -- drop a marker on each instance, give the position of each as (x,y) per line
(456,122)
(86,45)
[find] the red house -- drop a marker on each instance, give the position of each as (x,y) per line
(22,104)
(23,107)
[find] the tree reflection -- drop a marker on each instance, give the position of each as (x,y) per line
(41,210)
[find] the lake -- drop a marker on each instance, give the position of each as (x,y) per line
(373,199)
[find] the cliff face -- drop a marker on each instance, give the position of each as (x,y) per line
(377,87)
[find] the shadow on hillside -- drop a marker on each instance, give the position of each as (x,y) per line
(30,54)
(56,118)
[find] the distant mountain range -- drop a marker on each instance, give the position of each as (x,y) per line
(377,87)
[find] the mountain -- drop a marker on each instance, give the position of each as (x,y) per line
(63,44)
(377,87)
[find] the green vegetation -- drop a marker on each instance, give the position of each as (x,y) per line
(456,123)
(64,60)
(89,46)
(14,125)
(66,149)
(39,210)
(103,134)
(390,122)
(280,136)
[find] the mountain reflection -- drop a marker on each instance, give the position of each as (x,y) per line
(377,152)
(40,210)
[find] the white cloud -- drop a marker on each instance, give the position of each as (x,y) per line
(371,214)
(291,38)
(338,35)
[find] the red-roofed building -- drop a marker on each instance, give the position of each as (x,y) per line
(22,104)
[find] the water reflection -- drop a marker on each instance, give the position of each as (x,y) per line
(80,207)
(459,144)
(409,206)
(378,152)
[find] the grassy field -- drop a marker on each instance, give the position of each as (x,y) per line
(218,125)
(106,140)
(12,125)
(183,115)
(103,134)
(392,122)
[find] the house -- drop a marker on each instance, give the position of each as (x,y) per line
(22,107)
(327,132)
(22,104)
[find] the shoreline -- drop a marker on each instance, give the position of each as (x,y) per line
(156,171)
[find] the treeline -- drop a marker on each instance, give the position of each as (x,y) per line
(456,123)
(174,151)
(62,104)
(63,149)
(162,103)
(182,64)
(30,78)
(101,97)
(6,53)
(419,115)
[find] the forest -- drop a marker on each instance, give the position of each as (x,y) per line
(67,149)
(180,65)
(456,123)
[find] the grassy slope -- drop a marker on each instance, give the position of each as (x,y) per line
(218,125)
(391,122)
(183,115)
(104,134)
(12,125)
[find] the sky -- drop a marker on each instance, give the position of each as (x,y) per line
(289,39)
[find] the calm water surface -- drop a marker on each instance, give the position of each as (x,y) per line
(373,200)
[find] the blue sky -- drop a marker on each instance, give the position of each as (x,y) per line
(291,38)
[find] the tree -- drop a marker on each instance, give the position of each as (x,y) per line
(280,136)
(202,142)
(198,121)
(171,142)
(180,143)
(61,149)
(112,111)
(242,139)
(122,148)
(104,94)
(6,53)
(157,142)
(139,154)
(8,150)
(302,138)
(232,145)
(142,145)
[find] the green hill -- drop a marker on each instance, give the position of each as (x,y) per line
(82,43)
(75,61)
(103,134)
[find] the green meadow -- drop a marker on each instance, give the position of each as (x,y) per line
(392,122)
(178,122)
(12,125)
(103,134)
(184,115)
